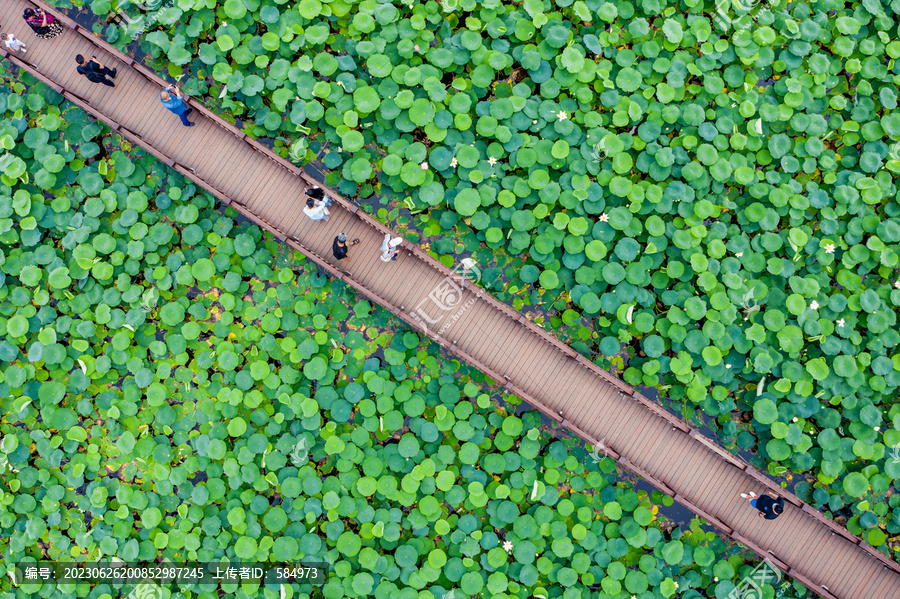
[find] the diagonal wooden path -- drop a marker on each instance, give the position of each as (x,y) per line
(546,373)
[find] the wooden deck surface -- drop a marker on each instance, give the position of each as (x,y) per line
(464,319)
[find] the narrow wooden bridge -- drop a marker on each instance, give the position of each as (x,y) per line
(546,373)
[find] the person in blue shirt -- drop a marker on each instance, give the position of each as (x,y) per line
(172,99)
(768,507)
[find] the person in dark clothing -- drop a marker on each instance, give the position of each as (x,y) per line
(340,246)
(316,193)
(94,70)
(769,507)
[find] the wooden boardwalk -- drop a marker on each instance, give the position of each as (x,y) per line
(464,319)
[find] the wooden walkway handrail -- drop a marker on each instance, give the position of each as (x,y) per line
(494,338)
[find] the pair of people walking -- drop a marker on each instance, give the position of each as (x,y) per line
(317,204)
(44,26)
(390,247)
(95,71)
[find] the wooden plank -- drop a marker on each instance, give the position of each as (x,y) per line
(583,391)
(155,127)
(386,275)
(478,328)
(475,333)
(679,476)
(603,408)
(202,149)
(617,429)
(887,587)
(421,300)
(121,105)
(514,342)
(645,436)
(714,499)
(282,212)
(659,441)
(319,234)
(258,184)
(660,464)
(810,552)
(283,198)
(544,365)
(498,354)
(850,578)
(253,184)
(709,483)
(505,336)
(868,570)
(232,159)
(638,434)
(472,335)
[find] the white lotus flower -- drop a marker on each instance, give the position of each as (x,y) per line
(877,428)
(453,161)
(739,254)
(716,579)
(492,161)
(897,284)
(604,218)
(562,115)
(795,419)
(425,166)
(829,248)
(676,585)
(534,122)
(814,305)
(507,546)
(840,322)
(728,366)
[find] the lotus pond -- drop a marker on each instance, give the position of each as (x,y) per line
(174,384)
(709,185)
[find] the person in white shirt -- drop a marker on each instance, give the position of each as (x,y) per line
(389,249)
(13,43)
(316,210)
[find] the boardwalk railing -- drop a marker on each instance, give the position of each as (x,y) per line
(549,375)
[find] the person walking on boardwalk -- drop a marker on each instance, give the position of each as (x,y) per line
(340,246)
(13,43)
(318,195)
(44,26)
(172,99)
(316,210)
(94,70)
(389,249)
(769,507)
